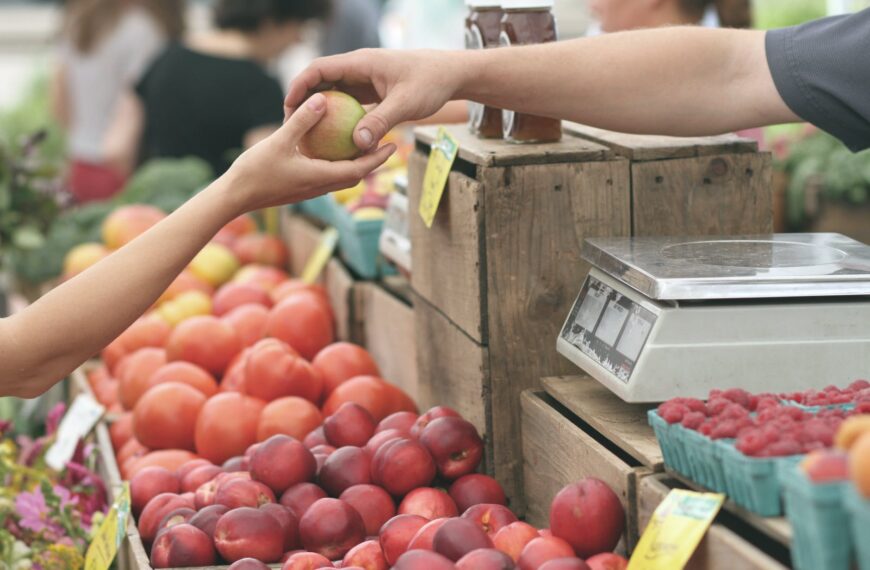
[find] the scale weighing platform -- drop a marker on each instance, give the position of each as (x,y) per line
(659,318)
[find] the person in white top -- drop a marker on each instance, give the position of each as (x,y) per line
(105,46)
(622,15)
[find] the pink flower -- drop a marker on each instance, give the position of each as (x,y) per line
(52,421)
(32,511)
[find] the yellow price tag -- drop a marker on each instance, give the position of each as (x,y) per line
(111,533)
(441,158)
(318,260)
(675,530)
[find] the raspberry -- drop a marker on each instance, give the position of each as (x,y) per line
(863,408)
(858,385)
(695,405)
(693,420)
(706,428)
(737,396)
(751,442)
(734,411)
(716,405)
(725,429)
(783,448)
(672,412)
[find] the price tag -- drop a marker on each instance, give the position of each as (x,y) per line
(320,257)
(79,420)
(675,530)
(111,533)
(441,158)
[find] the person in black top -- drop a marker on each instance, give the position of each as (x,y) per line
(210,96)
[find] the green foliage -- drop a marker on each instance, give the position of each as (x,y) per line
(33,114)
(166,183)
(771,14)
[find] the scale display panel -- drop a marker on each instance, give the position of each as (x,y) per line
(608,327)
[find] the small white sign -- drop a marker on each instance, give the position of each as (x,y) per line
(634,336)
(79,420)
(611,323)
(591,309)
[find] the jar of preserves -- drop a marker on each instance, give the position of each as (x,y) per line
(482,30)
(527,22)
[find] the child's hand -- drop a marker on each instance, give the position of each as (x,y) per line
(274,172)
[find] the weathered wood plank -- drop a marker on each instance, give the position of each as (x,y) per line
(339,285)
(713,195)
(536,220)
(493,152)
(448,258)
(655,147)
(389,335)
(301,238)
(624,424)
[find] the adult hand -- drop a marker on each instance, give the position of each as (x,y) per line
(405,85)
(274,172)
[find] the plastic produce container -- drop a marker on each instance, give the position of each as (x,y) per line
(858,508)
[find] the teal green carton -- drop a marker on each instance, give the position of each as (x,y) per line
(858,508)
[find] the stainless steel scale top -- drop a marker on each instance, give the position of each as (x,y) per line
(745,267)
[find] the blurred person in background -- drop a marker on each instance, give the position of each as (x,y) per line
(211,96)
(352,25)
(105,47)
(623,15)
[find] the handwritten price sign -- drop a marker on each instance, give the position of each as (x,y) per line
(441,158)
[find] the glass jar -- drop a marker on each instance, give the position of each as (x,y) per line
(482,30)
(527,22)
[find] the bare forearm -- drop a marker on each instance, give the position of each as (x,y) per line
(77,319)
(674,81)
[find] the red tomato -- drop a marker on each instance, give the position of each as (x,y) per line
(227,426)
(165,416)
(339,362)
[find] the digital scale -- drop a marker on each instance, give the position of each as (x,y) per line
(658,318)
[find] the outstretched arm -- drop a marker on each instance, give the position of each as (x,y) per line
(49,339)
(672,81)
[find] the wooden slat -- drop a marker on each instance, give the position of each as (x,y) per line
(339,286)
(452,367)
(556,453)
(713,195)
(721,549)
(389,335)
(654,147)
(536,220)
(447,258)
(624,424)
(301,238)
(490,152)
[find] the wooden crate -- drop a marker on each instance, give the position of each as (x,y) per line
(727,546)
(501,266)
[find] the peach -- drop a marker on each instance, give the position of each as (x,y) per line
(397,533)
(423,560)
(262,275)
(374,505)
(859,464)
(236,494)
(429,503)
(182,545)
(340,361)
(262,249)
(206,519)
(485,559)
(304,323)
(165,416)
(275,370)
(227,425)
(300,497)
(281,462)
(175,517)
(332,137)
(236,228)
(291,416)
(345,468)
(81,257)
(185,283)
(186,373)
(315,437)
(454,444)
(402,421)
(402,465)
(235,464)
(247,532)
(351,424)
(129,222)
(325,449)
(491,518)
(543,549)
(430,416)
(249,322)
(512,538)
(425,536)
(214,264)
(589,516)
(234,295)
(607,561)
(156,509)
(564,564)
(331,527)
(248,564)
(205,341)
(458,537)
(198,477)
(148,331)
(288,521)
(366,555)
(823,465)
(306,561)
(150,482)
(121,430)
(474,489)
(380,438)
(134,373)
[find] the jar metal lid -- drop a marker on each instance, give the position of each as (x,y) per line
(526,4)
(483,3)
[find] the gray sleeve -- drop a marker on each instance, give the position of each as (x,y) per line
(822,71)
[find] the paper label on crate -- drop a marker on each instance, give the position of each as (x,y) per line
(320,257)
(108,538)
(79,420)
(441,158)
(675,530)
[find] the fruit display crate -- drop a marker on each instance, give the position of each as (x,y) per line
(359,243)
(751,482)
(319,208)
(817,513)
(728,544)
(501,265)
(578,428)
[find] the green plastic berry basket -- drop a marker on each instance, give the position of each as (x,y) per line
(359,244)
(818,517)
(858,508)
(753,482)
(320,208)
